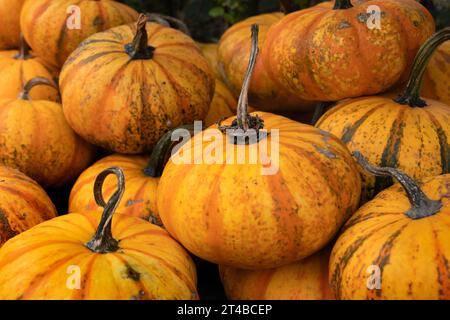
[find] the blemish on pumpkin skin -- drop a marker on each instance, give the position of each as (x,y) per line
(131,202)
(132,274)
(344,25)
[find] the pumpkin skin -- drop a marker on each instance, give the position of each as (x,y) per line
(23,203)
(412,254)
(303,280)
(148,265)
(223,104)
(241,218)
(9,16)
(328,55)
(43,24)
(436,81)
(233,56)
(100,80)
(139,199)
(209,50)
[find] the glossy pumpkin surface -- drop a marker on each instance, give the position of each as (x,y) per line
(10,18)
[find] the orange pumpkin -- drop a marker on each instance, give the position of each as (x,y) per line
(233,54)
(50,27)
(210,52)
(278,208)
(125,258)
(19,66)
(9,17)
(406,133)
(153,76)
(23,204)
(36,139)
(396,246)
(328,52)
(303,280)
(223,104)
(436,80)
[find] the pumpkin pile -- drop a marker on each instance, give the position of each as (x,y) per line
(148,136)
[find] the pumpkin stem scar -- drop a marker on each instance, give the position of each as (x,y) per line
(162,151)
(36,81)
(103,241)
(24,50)
(139,48)
(411,96)
(421,205)
(239,131)
(342,4)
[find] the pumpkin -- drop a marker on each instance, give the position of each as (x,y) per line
(233,55)
(223,104)
(209,50)
(95,256)
(46,24)
(23,203)
(303,280)
(408,133)
(397,245)
(436,80)
(331,52)
(278,208)
(9,16)
(19,66)
(153,76)
(36,139)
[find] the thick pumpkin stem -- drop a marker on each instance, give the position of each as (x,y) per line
(342,4)
(421,205)
(169,22)
(239,131)
(24,50)
(103,241)
(25,93)
(139,48)
(411,96)
(162,151)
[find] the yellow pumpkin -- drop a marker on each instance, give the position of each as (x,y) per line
(396,246)
(96,256)
(23,203)
(284,205)
(9,18)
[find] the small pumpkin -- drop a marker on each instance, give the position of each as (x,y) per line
(45,24)
(19,66)
(275,210)
(334,50)
(23,203)
(117,258)
(303,280)
(9,17)
(233,55)
(408,133)
(396,247)
(436,80)
(36,139)
(153,76)
(209,50)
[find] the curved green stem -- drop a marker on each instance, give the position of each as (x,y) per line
(411,96)
(139,48)
(25,93)
(342,4)
(103,241)
(421,205)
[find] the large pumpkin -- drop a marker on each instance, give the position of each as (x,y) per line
(436,80)
(36,139)
(153,76)
(50,26)
(125,258)
(396,246)
(19,66)
(331,52)
(222,105)
(23,203)
(9,17)
(406,133)
(258,210)
(233,54)
(210,51)
(303,280)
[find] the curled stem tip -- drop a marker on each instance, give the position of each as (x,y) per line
(139,49)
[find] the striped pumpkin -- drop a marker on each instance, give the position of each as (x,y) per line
(9,17)
(392,248)
(126,258)
(223,104)
(406,133)
(45,24)
(139,199)
(36,139)
(303,280)
(23,204)
(233,55)
(436,81)
(155,77)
